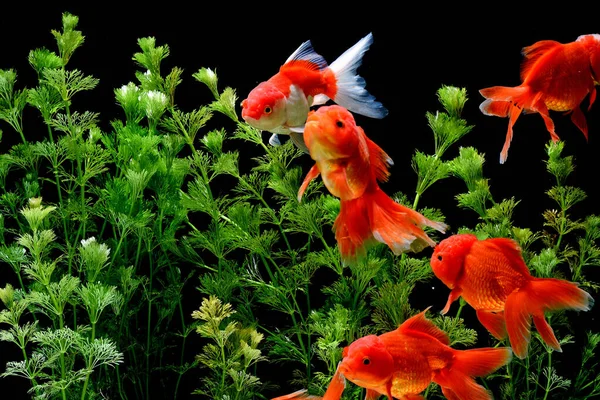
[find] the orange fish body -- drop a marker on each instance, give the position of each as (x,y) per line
(350,165)
(402,363)
(492,277)
(281,104)
(555,76)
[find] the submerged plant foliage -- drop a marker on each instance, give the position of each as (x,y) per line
(110,236)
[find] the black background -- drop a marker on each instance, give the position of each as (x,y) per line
(415,51)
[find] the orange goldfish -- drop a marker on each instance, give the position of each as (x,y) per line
(492,277)
(401,364)
(555,76)
(351,164)
(281,104)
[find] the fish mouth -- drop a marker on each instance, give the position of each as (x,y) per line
(311,125)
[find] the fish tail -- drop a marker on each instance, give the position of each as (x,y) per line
(502,101)
(348,88)
(533,300)
(398,226)
(300,394)
(352,230)
(374,216)
(457,379)
(520,96)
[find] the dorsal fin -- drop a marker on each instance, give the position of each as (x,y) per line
(421,324)
(307,54)
(508,247)
(379,159)
(533,53)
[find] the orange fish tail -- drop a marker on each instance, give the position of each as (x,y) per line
(503,101)
(534,299)
(352,229)
(376,217)
(300,394)
(457,379)
(400,227)
(336,386)
(520,96)
(481,362)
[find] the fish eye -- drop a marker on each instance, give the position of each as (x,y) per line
(366,361)
(268,110)
(439,257)
(339,124)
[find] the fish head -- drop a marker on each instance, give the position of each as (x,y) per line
(448,258)
(367,362)
(265,107)
(331,133)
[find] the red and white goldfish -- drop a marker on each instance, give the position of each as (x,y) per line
(351,164)
(492,277)
(281,104)
(401,364)
(555,76)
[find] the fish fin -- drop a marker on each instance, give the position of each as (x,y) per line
(449,394)
(336,386)
(495,107)
(509,102)
(297,129)
(308,56)
(518,322)
(533,53)
(542,109)
(579,120)
(421,324)
(298,139)
(537,297)
(274,140)
(376,216)
(312,174)
(494,322)
(300,394)
(518,95)
(380,161)
(458,376)
(480,362)
(398,226)
(509,250)
(372,394)
(546,332)
(452,297)
(351,92)
(352,230)
(319,99)
(592,97)
(515,112)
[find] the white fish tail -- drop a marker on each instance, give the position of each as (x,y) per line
(351,92)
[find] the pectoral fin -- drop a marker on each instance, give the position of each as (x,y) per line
(298,139)
(454,295)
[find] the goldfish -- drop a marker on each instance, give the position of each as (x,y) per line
(492,277)
(402,363)
(281,104)
(555,76)
(297,395)
(351,164)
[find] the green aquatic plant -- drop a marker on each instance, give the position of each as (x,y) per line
(112,232)
(230,355)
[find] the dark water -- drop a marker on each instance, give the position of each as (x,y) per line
(414,53)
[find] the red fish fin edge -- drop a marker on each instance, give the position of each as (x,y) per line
(420,323)
(312,174)
(494,322)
